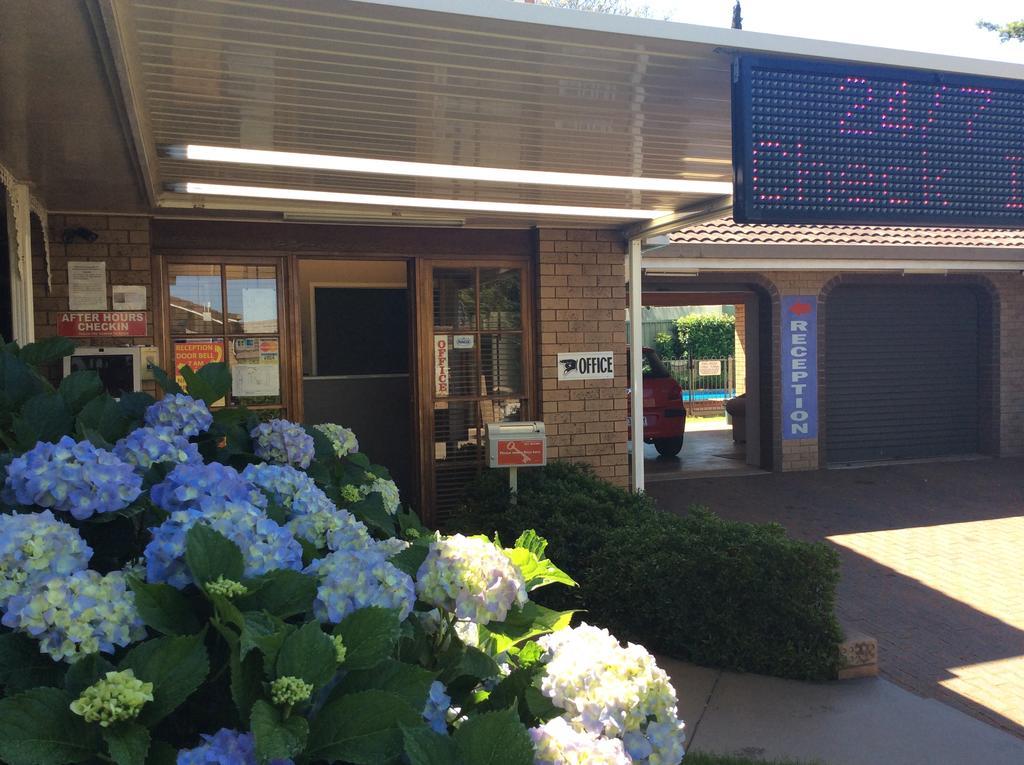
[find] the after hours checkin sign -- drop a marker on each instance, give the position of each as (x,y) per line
(799,366)
(823,142)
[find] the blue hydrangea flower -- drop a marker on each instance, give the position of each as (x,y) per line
(78,614)
(311,515)
(265,545)
(354,579)
(186,485)
(72,477)
(225,747)
(34,546)
(145,447)
(343,440)
(184,414)
(436,709)
(283,442)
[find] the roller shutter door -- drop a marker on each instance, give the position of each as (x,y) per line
(901,372)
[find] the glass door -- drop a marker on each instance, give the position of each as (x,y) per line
(229,312)
(478,349)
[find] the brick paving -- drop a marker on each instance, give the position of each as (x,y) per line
(932,566)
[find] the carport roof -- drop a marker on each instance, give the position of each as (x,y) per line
(100,88)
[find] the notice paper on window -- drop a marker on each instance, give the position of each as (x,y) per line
(255,380)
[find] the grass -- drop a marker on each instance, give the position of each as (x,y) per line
(701,758)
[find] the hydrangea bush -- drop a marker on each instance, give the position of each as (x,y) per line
(187,583)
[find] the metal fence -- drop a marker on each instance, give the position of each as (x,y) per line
(705,379)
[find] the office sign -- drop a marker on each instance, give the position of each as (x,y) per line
(590,365)
(799,366)
(521,453)
(101,324)
(824,142)
(442,382)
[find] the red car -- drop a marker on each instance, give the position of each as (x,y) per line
(664,414)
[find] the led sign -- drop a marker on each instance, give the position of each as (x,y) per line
(818,142)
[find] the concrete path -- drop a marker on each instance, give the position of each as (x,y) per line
(854,722)
(931,557)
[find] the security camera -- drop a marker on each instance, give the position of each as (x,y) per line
(85,234)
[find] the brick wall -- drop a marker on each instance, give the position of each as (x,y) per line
(739,352)
(1010,362)
(581,307)
(121,242)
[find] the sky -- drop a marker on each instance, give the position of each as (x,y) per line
(939,26)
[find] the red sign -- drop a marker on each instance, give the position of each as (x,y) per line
(102,324)
(520,452)
(196,356)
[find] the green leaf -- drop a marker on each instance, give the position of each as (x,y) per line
(407,681)
(22,666)
(85,672)
(276,738)
(283,593)
(164,608)
(18,381)
(410,559)
(162,753)
(370,635)
(104,417)
(246,682)
(128,743)
(47,351)
(372,512)
(473,662)
(426,747)
(210,384)
(44,417)
(537,572)
(175,665)
(209,554)
(309,654)
(362,728)
(265,633)
(134,405)
(532,541)
(167,383)
(494,738)
(523,623)
(37,727)
(79,388)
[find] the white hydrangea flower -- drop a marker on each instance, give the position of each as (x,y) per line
(558,743)
(471,577)
(613,691)
(388,492)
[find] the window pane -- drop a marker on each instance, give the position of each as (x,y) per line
(255,370)
(458,450)
(454,298)
(502,360)
(195,300)
(252,299)
(500,298)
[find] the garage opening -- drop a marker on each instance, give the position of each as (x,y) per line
(906,372)
(704,408)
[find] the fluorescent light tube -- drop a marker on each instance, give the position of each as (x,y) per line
(306,195)
(457,172)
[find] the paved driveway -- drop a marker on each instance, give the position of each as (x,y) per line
(932,566)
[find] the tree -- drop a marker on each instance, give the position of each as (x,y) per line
(1013,30)
(617,7)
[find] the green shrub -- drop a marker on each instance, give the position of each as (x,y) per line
(706,336)
(666,344)
(698,588)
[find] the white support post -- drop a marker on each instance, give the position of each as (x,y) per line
(636,356)
(19,228)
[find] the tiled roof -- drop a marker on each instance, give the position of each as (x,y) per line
(727,231)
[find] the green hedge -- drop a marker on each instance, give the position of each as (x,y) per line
(706,336)
(698,588)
